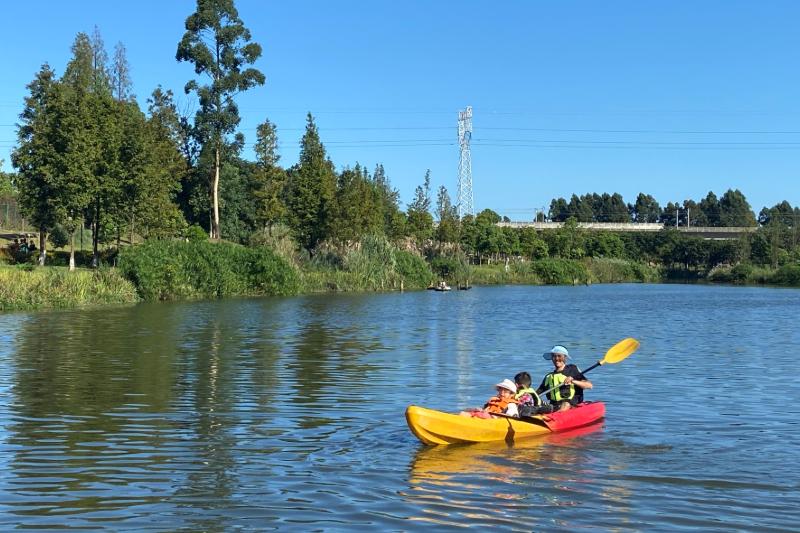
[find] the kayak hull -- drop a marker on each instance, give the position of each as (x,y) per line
(435,427)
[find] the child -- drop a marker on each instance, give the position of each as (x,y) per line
(504,402)
(526,397)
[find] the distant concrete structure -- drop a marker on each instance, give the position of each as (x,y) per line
(712,233)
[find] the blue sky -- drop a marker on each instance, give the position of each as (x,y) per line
(636,80)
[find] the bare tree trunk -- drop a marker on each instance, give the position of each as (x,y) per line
(217,234)
(72,249)
(42,244)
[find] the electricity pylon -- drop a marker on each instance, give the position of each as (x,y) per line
(465,206)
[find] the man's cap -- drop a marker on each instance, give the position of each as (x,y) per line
(556,349)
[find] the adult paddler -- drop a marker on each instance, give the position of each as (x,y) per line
(572,383)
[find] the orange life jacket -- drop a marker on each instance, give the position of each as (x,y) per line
(496,405)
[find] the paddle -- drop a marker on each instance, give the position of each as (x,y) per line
(615,354)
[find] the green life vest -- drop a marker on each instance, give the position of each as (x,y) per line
(556,378)
(532,392)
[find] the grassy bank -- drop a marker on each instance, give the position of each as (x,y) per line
(32,288)
(752,275)
(566,272)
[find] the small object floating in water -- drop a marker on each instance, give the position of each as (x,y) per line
(436,427)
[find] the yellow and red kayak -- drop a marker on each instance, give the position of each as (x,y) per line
(436,427)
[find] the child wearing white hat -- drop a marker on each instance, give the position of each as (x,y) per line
(504,402)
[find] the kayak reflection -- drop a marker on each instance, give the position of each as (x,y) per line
(500,458)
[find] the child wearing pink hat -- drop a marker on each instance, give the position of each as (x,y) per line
(503,403)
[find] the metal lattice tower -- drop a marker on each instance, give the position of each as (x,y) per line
(464,203)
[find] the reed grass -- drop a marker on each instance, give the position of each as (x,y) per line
(29,287)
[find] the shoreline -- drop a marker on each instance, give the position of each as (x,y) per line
(55,288)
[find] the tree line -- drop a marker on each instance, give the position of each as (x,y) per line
(730,210)
(87,153)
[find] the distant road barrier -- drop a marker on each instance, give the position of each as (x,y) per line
(704,231)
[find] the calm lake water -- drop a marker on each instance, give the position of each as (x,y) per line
(287,414)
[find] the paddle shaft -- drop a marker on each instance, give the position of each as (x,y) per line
(551,389)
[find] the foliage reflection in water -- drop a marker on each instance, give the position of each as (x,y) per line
(287,413)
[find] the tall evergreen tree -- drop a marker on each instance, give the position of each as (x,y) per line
(356,210)
(269,177)
(38,156)
(313,185)
(394,220)
(101,79)
(735,210)
(646,209)
(121,74)
(219,46)
(447,230)
(710,208)
(420,220)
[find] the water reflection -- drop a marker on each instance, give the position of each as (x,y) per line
(254,414)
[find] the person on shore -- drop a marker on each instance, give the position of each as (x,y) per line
(503,403)
(14,246)
(569,379)
(32,247)
(23,246)
(527,398)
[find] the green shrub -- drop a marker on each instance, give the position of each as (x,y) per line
(445,268)
(787,275)
(171,270)
(195,233)
(413,269)
(59,237)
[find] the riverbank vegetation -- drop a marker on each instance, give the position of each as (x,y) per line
(172,200)
(28,287)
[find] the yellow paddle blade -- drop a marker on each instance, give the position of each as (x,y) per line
(620,351)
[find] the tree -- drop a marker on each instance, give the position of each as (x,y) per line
(646,209)
(101,81)
(487,217)
(218,45)
(559,211)
(121,83)
(38,157)
(394,220)
(269,177)
(735,210)
(313,185)
(669,214)
(356,209)
(447,230)
(694,215)
(7,188)
(532,245)
(420,220)
(569,240)
(710,208)
(150,169)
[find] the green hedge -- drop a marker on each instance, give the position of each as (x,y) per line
(172,270)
